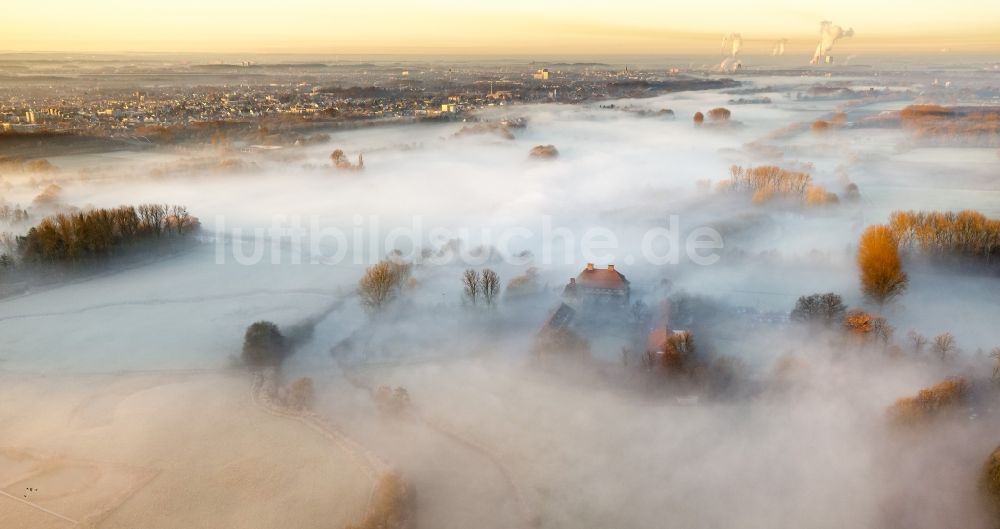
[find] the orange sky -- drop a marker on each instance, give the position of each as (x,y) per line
(512,26)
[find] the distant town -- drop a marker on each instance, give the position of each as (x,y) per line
(145,103)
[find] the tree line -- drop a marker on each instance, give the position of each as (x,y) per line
(948,234)
(101,233)
(766,182)
(13,215)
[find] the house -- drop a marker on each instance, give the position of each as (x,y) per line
(599,286)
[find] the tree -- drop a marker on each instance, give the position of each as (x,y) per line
(882,276)
(699,118)
(919,341)
(825,309)
(377,286)
(489,285)
(263,345)
(944,344)
(868,326)
(719,114)
(678,352)
(470,279)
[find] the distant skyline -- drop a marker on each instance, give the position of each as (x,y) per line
(565,27)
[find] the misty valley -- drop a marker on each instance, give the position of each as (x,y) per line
(755,298)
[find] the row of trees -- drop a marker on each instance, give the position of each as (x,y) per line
(828,310)
(100,233)
(13,215)
(953,125)
(766,182)
(483,286)
(768,178)
(948,234)
(942,345)
(11,164)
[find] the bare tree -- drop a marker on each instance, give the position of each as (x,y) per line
(471,281)
(944,344)
(919,341)
(489,284)
(181,218)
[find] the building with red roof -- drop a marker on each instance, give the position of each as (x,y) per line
(605,286)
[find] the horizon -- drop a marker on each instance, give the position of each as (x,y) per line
(445,27)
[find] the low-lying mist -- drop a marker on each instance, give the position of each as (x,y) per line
(494,432)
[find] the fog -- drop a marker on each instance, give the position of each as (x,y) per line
(496,438)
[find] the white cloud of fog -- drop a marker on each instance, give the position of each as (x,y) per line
(816,456)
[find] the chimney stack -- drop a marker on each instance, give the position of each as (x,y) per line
(611,267)
(590,266)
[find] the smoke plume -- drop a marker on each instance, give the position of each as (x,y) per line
(829,34)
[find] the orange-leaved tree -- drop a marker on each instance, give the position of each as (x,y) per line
(882,275)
